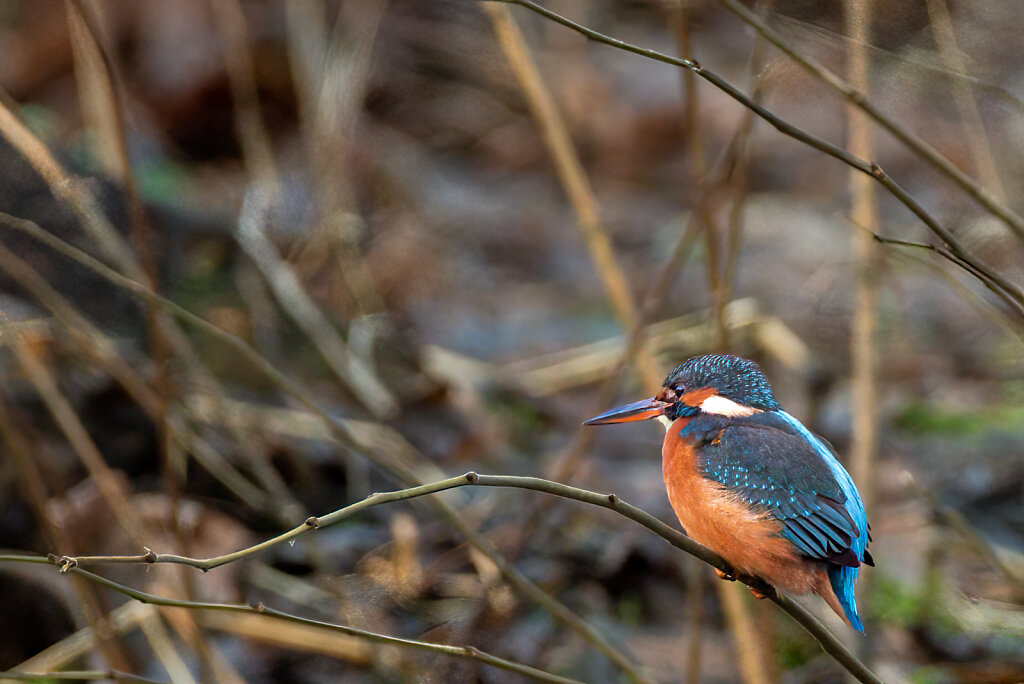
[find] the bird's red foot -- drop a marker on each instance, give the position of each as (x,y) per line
(724,575)
(760,596)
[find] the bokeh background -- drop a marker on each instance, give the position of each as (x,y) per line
(367,194)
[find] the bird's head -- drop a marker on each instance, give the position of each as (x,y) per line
(718,384)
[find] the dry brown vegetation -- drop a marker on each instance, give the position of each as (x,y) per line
(259,260)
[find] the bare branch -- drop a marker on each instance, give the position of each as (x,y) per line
(260,609)
(76,675)
(1009,292)
(399,467)
(828,641)
(299,305)
(960,262)
(574,181)
(857,98)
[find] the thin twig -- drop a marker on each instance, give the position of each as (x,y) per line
(70,424)
(76,675)
(260,609)
(610,501)
(1000,286)
(858,99)
(574,180)
(399,467)
(971,268)
(101,350)
(299,305)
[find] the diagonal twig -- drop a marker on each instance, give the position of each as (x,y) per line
(610,501)
(574,180)
(297,303)
(402,468)
(955,259)
(1009,292)
(76,676)
(260,609)
(858,99)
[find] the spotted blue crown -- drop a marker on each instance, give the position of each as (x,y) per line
(740,380)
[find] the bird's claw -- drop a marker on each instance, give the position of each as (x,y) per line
(759,595)
(724,575)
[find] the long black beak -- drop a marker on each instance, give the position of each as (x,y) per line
(638,410)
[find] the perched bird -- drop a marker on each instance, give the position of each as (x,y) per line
(751,483)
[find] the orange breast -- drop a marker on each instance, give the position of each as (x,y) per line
(718,519)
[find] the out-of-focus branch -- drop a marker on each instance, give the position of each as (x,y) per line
(1009,292)
(19,449)
(955,520)
(750,647)
(120,621)
(974,127)
(76,676)
(330,65)
(102,351)
(297,303)
(70,189)
(260,609)
(64,415)
(166,335)
(610,501)
(857,97)
(574,180)
(402,468)
(867,262)
(253,139)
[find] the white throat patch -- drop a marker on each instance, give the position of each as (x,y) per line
(720,406)
(665,421)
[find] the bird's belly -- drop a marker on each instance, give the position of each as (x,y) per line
(748,539)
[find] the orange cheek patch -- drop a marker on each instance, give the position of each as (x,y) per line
(697,397)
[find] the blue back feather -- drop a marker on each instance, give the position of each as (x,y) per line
(843,578)
(821,511)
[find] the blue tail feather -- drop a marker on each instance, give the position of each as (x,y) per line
(842,578)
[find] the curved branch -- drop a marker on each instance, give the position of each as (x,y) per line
(852,95)
(402,471)
(828,641)
(1006,290)
(445,649)
(958,261)
(76,676)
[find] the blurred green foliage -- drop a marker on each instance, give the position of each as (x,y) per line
(928,418)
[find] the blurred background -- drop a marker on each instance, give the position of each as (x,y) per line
(459,229)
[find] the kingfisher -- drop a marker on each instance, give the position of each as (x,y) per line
(750,482)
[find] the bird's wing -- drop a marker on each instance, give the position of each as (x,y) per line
(776,470)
